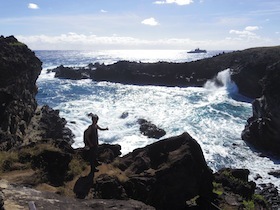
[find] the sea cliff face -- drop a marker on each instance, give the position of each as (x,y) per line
(19,70)
(263,128)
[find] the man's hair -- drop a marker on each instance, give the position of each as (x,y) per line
(94,117)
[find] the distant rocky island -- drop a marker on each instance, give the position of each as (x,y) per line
(39,168)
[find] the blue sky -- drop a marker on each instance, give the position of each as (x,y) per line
(142,24)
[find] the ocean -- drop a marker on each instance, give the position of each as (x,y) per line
(214,116)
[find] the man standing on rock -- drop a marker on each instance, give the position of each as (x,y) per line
(91,140)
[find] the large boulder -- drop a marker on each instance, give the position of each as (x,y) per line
(19,70)
(263,128)
(53,163)
(167,173)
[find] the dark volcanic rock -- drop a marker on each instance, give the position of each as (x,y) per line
(150,130)
(73,73)
(19,197)
(106,152)
(275,173)
(19,70)
(251,68)
(54,126)
(237,181)
(54,164)
(167,173)
(263,128)
(271,195)
(247,68)
(108,187)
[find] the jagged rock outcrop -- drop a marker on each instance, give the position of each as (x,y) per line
(107,153)
(270,194)
(165,174)
(53,125)
(237,181)
(263,128)
(73,73)
(235,191)
(19,70)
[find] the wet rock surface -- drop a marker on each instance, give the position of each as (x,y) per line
(150,130)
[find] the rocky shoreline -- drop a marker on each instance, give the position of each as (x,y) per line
(250,64)
(39,167)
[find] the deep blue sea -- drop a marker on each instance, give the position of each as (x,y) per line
(214,116)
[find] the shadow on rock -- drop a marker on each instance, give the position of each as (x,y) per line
(82,186)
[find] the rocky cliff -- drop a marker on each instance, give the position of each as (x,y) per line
(263,128)
(19,70)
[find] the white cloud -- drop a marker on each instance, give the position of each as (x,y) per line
(75,41)
(179,2)
(33,6)
(247,33)
(150,21)
(232,21)
(252,28)
(242,33)
(103,11)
